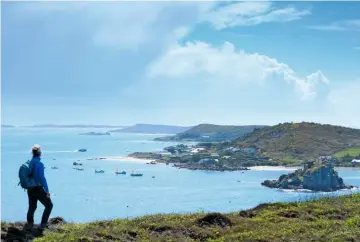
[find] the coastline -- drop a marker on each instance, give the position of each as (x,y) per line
(254,168)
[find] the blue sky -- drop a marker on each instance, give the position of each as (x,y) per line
(180,62)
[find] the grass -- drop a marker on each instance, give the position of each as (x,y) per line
(353,151)
(326,219)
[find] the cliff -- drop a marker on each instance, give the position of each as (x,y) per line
(321,177)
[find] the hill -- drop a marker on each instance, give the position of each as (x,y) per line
(152,129)
(74,126)
(299,141)
(211,133)
(326,219)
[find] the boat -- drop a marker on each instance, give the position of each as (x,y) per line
(99,171)
(54,168)
(120,173)
(136,174)
(79,169)
(117,172)
(151,163)
(77,164)
(82,150)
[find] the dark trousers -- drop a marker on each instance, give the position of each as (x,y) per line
(35,194)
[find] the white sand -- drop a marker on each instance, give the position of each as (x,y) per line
(273,168)
(293,168)
(123,158)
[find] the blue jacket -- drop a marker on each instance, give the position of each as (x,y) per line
(38,172)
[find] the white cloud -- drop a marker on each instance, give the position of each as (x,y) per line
(251,13)
(227,66)
(344,25)
(127,25)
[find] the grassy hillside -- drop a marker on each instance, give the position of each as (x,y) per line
(327,219)
(353,152)
(152,129)
(211,133)
(294,141)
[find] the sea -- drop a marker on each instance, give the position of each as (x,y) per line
(83,196)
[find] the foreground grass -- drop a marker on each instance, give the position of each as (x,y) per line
(326,219)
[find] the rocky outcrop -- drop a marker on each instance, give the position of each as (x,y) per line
(96,133)
(313,177)
(19,232)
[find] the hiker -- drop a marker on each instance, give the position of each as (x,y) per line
(39,191)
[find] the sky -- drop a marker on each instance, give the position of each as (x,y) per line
(180,63)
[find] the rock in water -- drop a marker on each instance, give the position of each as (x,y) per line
(315,177)
(323,178)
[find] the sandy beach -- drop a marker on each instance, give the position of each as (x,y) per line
(123,158)
(293,168)
(273,168)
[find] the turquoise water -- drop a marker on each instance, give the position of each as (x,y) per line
(82,196)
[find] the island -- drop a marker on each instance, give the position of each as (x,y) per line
(7,126)
(96,133)
(211,133)
(196,157)
(74,126)
(286,144)
(314,176)
(151,129)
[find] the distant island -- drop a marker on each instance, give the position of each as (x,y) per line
(212,133)
(96,133)
(287,144)
(7,126)
(74,126)
(314,176)
(152,129)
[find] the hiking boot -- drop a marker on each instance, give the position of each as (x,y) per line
(44,226)
(28,226)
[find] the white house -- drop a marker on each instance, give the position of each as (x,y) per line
(355,161)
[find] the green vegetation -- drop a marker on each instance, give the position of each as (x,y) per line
(289,142)
(326,219)
(353,152)
(211,133)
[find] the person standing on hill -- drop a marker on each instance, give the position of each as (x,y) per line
(39,192)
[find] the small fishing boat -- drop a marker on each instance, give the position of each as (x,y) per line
(79,169)
(82,150)
(136,174)
(120,173)
(54,168)
(99,171)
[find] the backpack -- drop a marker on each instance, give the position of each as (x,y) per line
(25,175)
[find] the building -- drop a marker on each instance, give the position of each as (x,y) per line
(233,149)
(214,155)
(207,162)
